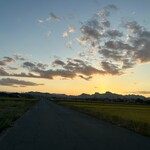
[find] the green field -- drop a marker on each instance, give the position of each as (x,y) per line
(132,116)
(13,108)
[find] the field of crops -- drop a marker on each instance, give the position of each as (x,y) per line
(132,116)
(13,108)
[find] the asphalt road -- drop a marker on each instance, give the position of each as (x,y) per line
(48,126)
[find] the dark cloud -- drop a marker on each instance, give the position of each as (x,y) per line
(90,32)
(41,66)
(29,65)
(110,54)
(114,33)
(58,62)
(117,45)
(85,78)
(15,82)
(110,68)
(143,54)
(128,63)
(6,61)
(32,66)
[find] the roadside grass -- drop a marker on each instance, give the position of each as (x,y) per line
(13,108)
(135,117)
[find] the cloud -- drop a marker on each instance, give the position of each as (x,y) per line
(116,45)
(128,63)
(70,69)
(114,33)
(28,65)
(110,68)
(85,78)
(116,49)
(72,29)
(144,92)
(53,17)
(40,21)
(57,62)
(133,26)
(41,66)
(19,57)
(3,72)
(14,68)
(34,66)
(109,54)
(69,44)
(15,82)
(105,50)
(105,22)
(106,11)
(65,34)
(6,61)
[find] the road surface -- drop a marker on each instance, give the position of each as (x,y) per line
(48,126)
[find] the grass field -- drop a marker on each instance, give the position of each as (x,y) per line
(132,116)
(13,108)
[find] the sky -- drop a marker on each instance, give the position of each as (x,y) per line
(75,46)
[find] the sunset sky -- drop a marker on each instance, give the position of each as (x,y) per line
(75,46)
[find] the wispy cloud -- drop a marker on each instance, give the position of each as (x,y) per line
(142,92)
(15,82)
(53,17)
(19,57)
(40,21)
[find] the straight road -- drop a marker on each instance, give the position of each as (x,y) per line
(48,126)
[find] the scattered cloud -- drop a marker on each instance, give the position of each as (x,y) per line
(107,49)
(15,82)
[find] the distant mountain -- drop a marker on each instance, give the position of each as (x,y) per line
(108,96)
